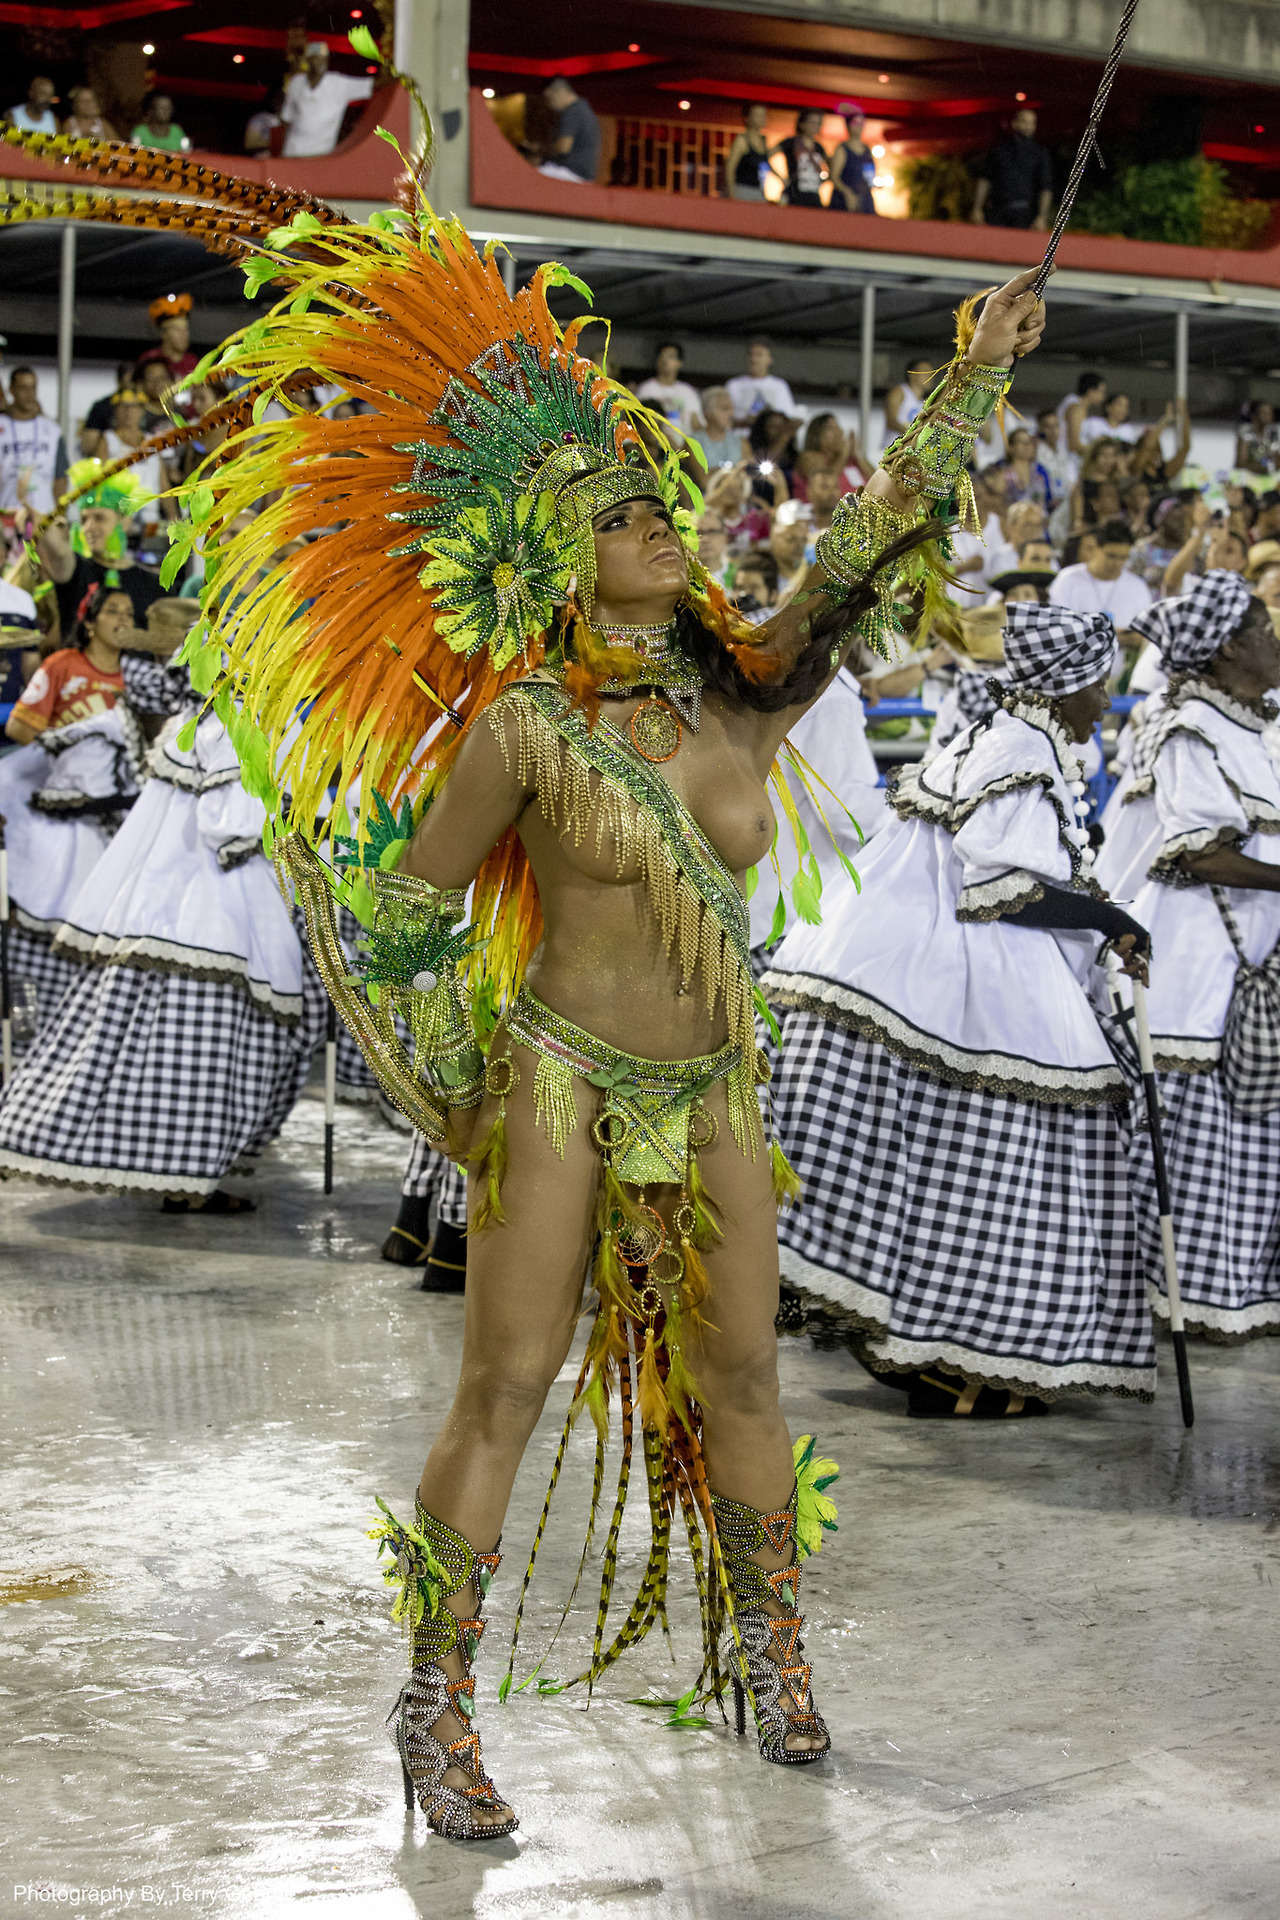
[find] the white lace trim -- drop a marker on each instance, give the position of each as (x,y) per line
(1174,1053)
(989,899)
(192,779)
(1009,1075)
(43,929)
(151,954)
(62,1173)
(852,1297)
(237,852)
(1222,1319)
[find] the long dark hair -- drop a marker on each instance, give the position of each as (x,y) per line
(829,624)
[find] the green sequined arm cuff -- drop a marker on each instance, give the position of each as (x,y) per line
(411,959)
(931,457)
(861,528)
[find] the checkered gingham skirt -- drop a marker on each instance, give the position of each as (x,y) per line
(31,957)
(989,1237)
(1224,1179)
(429,1176)
(151,1081)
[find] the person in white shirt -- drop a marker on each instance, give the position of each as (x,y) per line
(972,553)
(1104,584)
(1023,521)
(1112,423)
(1075,408)
(315,102)
(32,456)
(36,115)
(669,395)
(758,390)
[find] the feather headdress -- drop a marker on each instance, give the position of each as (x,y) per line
(410,558)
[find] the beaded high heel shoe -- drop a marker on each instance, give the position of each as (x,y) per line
(432,1563)
(769,1668)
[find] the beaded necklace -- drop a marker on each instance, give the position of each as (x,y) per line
(668,670)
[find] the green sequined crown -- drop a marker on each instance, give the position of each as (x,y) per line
(532,454)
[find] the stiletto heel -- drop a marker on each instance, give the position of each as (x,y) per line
(768,1655)
(431,1564)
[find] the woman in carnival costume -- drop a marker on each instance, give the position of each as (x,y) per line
(514,565)
(1197,844)
(945,1090)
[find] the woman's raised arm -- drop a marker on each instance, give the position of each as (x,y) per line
(808,640)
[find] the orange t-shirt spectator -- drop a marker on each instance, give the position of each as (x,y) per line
(76,682)
(66,687)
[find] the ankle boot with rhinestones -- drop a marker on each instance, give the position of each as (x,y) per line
(770,1670)
(429,1693)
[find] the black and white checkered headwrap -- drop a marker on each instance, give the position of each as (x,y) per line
(1191,628)
(974,697)
(1056,650)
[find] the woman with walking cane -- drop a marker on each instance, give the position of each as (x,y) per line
(945,1091)
(1205,796)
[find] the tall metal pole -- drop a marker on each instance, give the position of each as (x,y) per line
(66,333)
(1181,333)
(509,274)
(868,366)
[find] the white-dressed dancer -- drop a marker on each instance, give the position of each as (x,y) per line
(1200,808)
(945,1091)
(179,1051)
(64,792)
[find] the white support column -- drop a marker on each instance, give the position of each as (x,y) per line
(1181,331)
(868,365)
(509,273)
(66,333)
(431,41)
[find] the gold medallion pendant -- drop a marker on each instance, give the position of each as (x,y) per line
(656,733)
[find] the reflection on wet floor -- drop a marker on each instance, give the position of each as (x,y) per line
(1045,1650)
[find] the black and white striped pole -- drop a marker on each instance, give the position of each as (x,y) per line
(330,1091)
(1177,1326)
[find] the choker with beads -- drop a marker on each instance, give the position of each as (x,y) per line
(672,679)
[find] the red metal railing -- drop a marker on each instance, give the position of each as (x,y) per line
(670,156)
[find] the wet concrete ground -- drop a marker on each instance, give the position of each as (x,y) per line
(1048,1652)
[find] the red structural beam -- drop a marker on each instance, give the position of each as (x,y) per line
(266,39)
(86,18)
(572,65)
(501,178)
(876,105)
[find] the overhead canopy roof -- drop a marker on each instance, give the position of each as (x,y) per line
(813,313)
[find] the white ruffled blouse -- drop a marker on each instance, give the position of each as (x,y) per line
(62,796)
(184,887)
(922,959)
(1201,778)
